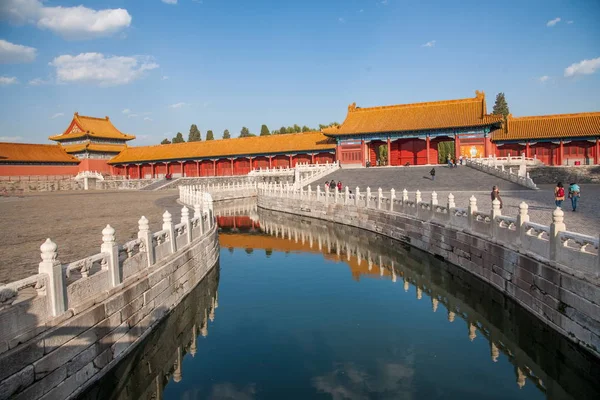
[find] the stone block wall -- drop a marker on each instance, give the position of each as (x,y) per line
(567,302)
(16,187)
(52,357)
(565,174)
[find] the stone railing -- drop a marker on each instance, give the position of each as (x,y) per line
(303,174)
(553,273)
(108,301)
(197,194)
(519,175)
(494,161)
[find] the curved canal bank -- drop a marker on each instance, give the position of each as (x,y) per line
(311,309)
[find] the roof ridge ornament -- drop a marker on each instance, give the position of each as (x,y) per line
(479,94)
(352,107)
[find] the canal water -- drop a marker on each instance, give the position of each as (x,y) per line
(303,309)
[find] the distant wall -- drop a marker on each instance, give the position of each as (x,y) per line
(565,174)
(28,170)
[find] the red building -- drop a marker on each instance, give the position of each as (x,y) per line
(412,132)
(224,157)
(22,159)
(562,139)
(92,140)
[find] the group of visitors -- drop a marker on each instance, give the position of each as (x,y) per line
(574,193)
(332,185)
(452,161)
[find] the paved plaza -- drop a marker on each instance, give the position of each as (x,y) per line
(74,221)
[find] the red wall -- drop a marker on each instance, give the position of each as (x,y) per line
(514,149)
(261,162)
(413,151)
(241,166)
(94,165)
(25,170)
(323,158)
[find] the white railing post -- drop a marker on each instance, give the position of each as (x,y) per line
(392,198)
(346,195)
(495,213)
(556,227)
(56,287)
(451,204)
(472,211)
(198,214)
(146,237)
(318,192)
(404,196)
(368,197)
(109,246)
(379,198)
(309,192)
(185,217)
(326,194)
(357,197)
(336,195)
(434,200)
(168,225)
(522,219)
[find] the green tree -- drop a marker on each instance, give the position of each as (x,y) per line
(282,130)
(245,132)
(383,155)
(264,131)
(165,141)
(178,138)
(226,134)
(194,135)
(297,128)
(209,135)
(445,149)
(501,106)
(289,129)
(306,129)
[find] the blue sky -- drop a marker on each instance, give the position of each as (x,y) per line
(155,68)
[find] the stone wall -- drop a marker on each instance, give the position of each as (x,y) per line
(16,187)
(565,174)
(123,184)
(564,298)
(62,329)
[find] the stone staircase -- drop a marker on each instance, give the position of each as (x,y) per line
(461,178)
(160,184)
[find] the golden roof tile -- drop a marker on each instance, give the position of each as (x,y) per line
(257,145)
(550,127)
(24,152)
(96,147)
(82,126)
(471,112)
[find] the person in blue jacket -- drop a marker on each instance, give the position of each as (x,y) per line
(574,193)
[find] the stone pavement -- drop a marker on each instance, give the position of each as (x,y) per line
(463,182)
(74,221)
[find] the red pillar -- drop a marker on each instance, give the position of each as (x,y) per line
(291,161)
(312,158)
(270,162)
(428,148)
(232,172)
(597,152)
(139,171)
(561,151)
(456,147)
(527,150)
(389,151)
(337,152)
(362,153)
(487,146)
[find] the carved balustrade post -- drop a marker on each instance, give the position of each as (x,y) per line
(357,197)
(368,197)
(168,225)
(185,218)
(146,236)
(198,214)
(522,219)
(379,198)
(309,193)
(336,195)
(346,195)
(472,211)
(556,227)
(404,196)
(109,246)
(326,194)
(451,203)
(318,193)
(494,226)
(392,198)
(56,280)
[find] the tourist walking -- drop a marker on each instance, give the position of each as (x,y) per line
(339,186)
(449,161)
(574,193)
(496,195)
(460,160)
(432,173)
(326,185)
(559,194)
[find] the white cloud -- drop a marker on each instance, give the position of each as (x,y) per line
(585,67)
(57,115)
(341,20)
(169,1)
(164,78)
(102,70)
(8,80)
(70,22)
(543,79)
(429,44)
(38,82)
(132,116)
(10,138)
(178,105)
(126,111)
(15,53)
(147,119)
(553,22)
(384,2)
(569,22)
(361,10)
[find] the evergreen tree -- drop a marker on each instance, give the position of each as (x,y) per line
(282,130)
(178,138)
(264,131)
(165,141)
(306,129)
(297,128)
(226,134)
(194,135)
(501,106)
(209,135)
(289,129)
(244,132)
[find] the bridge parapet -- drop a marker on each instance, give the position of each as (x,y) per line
(502,167)
(87,314)
(551,271)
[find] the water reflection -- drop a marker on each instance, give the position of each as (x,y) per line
(556,366)
(145,372)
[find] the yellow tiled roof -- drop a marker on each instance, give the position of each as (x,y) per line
(459,113)
(82,126)
(257,145)
(550,126)
(23,152)
(101,148)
